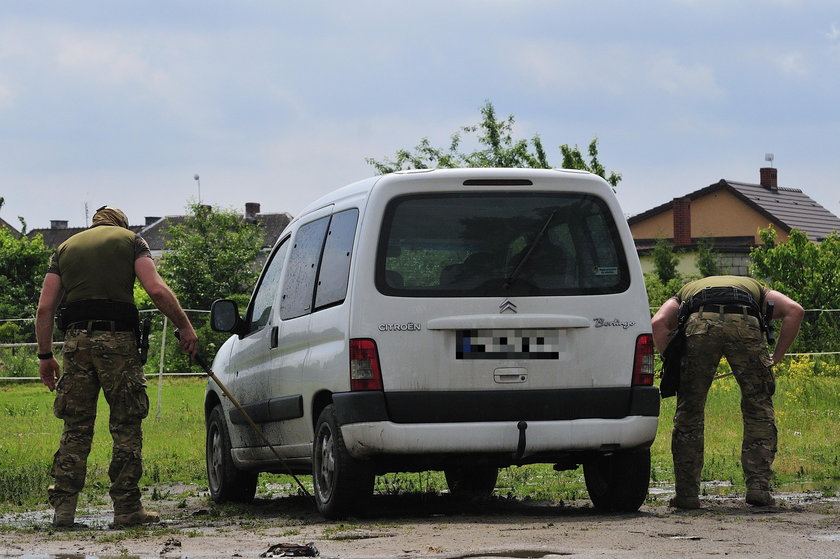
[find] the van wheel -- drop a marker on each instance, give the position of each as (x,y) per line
(227,482)
(342,483)
(618,482)
(468,482)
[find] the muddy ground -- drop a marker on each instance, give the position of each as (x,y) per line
(801,525)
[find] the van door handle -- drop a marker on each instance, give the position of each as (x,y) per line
(275,336)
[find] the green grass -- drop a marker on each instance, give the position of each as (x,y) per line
(29,432)
(808,415)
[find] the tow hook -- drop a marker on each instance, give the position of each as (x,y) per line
(520,447)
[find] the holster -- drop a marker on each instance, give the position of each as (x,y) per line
(143,339)
(673,354)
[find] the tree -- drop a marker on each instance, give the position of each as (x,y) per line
(708,259)
(211,255)
(665,260)
(808,273)
(500,149)
(23,262)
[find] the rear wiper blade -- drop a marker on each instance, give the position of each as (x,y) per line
(527,255)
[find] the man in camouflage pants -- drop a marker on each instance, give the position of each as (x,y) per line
(92,275)
(725,319)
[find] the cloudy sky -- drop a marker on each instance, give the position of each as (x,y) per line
(277,102)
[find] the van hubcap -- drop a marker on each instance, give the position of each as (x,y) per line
(326,469)
(216,459)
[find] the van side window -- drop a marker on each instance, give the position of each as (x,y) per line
(335,263)
(267,289)
(302,269)
(319,264)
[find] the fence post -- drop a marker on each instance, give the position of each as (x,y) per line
(160,369)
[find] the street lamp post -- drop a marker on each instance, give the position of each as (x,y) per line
(199,187)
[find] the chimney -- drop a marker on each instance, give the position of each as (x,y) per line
(151,219)
(769,178)
(682,221)
(58,224)
(251,211)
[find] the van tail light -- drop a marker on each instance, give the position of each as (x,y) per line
(364,365)
(643,361)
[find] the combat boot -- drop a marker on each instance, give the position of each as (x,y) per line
(684,502)
(136,518)
(760,498)
(65,512)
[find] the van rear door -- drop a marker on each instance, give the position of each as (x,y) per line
(515,290)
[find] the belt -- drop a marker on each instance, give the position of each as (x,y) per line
(106,325)
(729,309)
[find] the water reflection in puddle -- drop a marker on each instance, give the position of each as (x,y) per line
(79,556)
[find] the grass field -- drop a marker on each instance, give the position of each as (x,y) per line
(808,415)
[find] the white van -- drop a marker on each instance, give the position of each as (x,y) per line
(462,320)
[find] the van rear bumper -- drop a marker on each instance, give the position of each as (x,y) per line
(378,423)
(366,440)
(497,405)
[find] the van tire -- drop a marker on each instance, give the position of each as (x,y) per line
(467,482)
(227,483)
(341,483)
(618,482)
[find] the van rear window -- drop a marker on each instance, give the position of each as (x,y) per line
(499,244)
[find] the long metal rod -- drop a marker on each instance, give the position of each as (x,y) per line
(204,365)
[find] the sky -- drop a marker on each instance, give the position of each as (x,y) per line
(276,102)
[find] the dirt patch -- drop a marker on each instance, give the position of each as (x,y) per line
(435,526)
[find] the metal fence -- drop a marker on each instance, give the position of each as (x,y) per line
(163,332)
(827,343)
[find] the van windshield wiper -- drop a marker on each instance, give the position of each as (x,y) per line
(515,274)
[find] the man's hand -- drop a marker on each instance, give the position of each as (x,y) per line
(188,340)
(50,371)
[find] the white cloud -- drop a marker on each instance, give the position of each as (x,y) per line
(617,69)
(792,64)
(834,33)
(105,59)
(7,96)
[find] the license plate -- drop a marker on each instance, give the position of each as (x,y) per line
(508,344)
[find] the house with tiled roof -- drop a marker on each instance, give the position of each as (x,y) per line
(5,225)
(58,232)
(154,230)
(730,214)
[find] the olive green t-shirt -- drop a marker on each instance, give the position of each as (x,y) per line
(98,263)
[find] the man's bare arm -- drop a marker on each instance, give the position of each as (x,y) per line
(664,322)
(51,292)
(164,299)
(791,313)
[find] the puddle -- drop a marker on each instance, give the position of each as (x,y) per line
(513,554)
(79,556)
(826,537)
(801,492)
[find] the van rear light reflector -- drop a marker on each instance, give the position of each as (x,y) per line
(643,361)
(364,365)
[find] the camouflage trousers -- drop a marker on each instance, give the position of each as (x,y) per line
(108,361)
(738,337)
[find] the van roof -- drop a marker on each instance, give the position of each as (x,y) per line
(360,188)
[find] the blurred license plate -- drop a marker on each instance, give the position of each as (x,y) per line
(508,344)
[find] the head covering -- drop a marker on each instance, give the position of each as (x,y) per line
(109,216)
